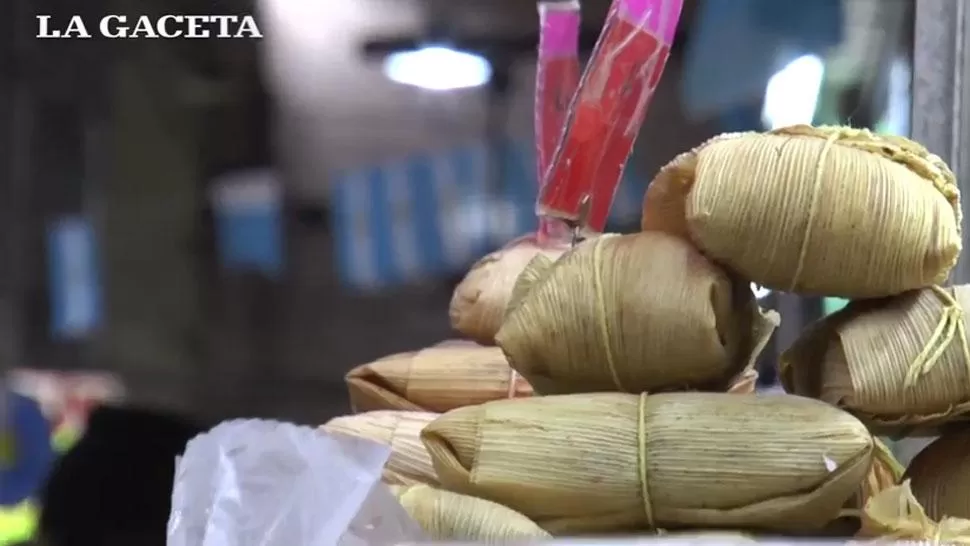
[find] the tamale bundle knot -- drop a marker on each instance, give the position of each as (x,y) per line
(950,328)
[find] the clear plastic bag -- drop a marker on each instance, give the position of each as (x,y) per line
(265,483)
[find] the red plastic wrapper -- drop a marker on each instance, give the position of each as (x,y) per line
(607,112)
(557,76)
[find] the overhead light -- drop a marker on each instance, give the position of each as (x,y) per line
(438,68)
(791,96)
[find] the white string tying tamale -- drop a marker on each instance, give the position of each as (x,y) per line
(895,362)
(438,378)
(612,462)
(632,313)
(831,211)
(409,462)
(451,516)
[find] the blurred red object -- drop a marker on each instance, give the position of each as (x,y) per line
(608,111)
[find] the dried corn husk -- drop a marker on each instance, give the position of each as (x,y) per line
(940,476)
(893,362)
(587,462)
(831,211)
(885,472)
(632,313)
(409,463)
(450,516)
(438,378)
(479,301)
(895,513)
(746,383)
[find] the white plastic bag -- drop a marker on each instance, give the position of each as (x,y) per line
(264,483)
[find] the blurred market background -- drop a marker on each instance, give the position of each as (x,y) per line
(223,228)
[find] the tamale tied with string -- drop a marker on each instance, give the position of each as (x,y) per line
(633,313)
(894,362)
(616,462)
(940,476)
(479,301)
(439,378)
(451,516)
(831,211)
(409,462)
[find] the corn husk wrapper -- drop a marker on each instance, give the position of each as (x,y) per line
(896,514)
(884,473)
(830,211)
(479,301)
(632,313)
(440,378)
(451,516)
(610,462)
(409,463)
(894,362)
(940,476)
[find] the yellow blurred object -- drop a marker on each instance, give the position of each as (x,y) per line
(450,516)
(940,476)
(896,514)
(479,301)
(831,211)
(632,313)
(409,463)
(439,378)
(894,362)
(613,462)
(18,524)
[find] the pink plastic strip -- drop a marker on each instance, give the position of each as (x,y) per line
(559,32)
(657,16)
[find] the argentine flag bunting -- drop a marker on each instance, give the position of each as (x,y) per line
(433,214)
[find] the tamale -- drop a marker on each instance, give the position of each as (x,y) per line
(439,378)
(896,514)
(479,301)
(409,463)
(451,516)
(940,476)
(831,211)
(632,313)
(894,362)
(611,462)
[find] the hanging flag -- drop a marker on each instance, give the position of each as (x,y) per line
(248,208)
(433,214)
(74,284)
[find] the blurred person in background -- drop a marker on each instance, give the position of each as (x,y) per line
(114,486)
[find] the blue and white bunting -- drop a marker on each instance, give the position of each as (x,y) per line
(434,214)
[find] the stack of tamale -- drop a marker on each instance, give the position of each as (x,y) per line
(604,407)
(836,211)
